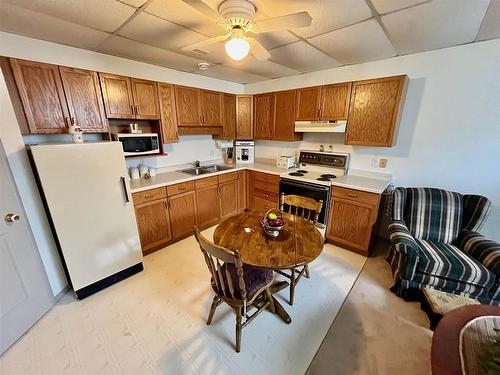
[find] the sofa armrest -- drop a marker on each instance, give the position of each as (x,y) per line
(479,247)
(402,239)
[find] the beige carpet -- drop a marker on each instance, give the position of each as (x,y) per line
(154,323)
(375,332)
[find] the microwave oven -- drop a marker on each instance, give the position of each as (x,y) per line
(138,143)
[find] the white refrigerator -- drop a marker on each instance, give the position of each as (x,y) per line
(87,197)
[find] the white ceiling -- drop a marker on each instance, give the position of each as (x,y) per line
(342,31)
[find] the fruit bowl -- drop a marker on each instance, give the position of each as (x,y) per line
(273,222)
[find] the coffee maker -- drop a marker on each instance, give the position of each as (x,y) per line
(245,152)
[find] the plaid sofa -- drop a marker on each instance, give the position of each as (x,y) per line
(434,243)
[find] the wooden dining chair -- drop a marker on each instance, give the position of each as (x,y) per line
(307,209)
(240,286)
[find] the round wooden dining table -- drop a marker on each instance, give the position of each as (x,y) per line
(299,243)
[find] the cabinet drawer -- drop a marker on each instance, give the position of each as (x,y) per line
(356,195)
(180,188)
(149,195)
(265,195)
(263,204)
(226,177)
(205,182)
(266,177)
(266,186)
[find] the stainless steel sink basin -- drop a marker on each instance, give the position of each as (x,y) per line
(205,169)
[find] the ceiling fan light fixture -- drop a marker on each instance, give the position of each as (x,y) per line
(237,47)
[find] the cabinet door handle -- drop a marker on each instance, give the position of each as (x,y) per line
(132,109)
(137,110)
(149,196)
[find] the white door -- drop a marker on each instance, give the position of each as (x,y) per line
(24,290)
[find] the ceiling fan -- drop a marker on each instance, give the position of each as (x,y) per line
(237,18)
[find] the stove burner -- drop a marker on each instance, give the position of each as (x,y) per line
(297,174)
(328,176)
(323,179)
(301,171)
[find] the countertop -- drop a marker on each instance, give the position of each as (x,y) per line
(371,182)
(175,177)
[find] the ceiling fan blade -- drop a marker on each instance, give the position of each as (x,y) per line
(290,21)
(204,9)
(204,43)
(258,50)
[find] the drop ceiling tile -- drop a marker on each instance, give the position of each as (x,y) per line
(37,25)
(119,46)
(230,74)
(266,68)
(302,57)
(433,25)
(326,15)
(490,28)
(275,39)
(359,43)
(105,15)
(386,6)
(160,33)
(179,12)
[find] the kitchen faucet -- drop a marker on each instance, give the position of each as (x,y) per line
(197,163)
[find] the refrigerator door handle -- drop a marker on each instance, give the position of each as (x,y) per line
(125,190)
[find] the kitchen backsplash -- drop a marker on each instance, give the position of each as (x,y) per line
(189,149)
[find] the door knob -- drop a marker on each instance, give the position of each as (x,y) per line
(12,218)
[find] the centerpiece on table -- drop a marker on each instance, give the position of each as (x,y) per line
(273,222)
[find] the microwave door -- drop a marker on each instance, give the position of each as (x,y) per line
(137,144)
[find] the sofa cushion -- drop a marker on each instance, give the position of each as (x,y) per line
(449,262)
(433,214)
(254,277)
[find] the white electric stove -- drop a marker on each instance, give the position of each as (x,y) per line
(313,177)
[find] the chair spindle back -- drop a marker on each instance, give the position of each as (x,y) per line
(215,257)
(306,208)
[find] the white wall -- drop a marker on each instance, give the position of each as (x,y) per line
(27,48)
(449,135)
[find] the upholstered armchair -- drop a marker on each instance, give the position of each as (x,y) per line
(435,244)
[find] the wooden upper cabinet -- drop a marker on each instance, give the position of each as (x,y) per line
(229,122)
(83,95)
(118,97)
(244,117)
(42,96)
(308,103)
(335,101)
(263,116)
(188,106)
(168,114)
(375,111)
(211,108)
(145,94)
(284,118)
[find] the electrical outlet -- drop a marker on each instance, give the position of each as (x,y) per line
(382,163)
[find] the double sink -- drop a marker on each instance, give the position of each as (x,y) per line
(206,169)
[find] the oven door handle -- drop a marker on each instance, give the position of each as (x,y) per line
(304,185)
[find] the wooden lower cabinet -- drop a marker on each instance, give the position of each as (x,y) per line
(153,221)
(228,198)
(352,218)
(263,191)
(183,214)
(207,202)
(242,190)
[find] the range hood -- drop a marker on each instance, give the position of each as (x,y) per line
(320,126)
